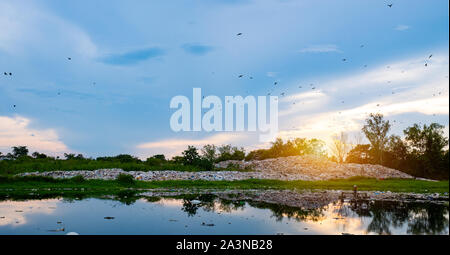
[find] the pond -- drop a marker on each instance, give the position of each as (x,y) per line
(208,214)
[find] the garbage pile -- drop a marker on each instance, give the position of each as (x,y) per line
(307,168)
(313,168)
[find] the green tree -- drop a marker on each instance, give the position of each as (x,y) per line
(360,154)
(190,155)
(209,152)
(19,151)
(376,130)
(428,143)
(38,155)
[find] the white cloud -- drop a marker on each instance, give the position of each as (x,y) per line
(16,213)
(320,48)
(418,89)
(271,74)
(402,27)
(26,26)
(15,131)
(303,102)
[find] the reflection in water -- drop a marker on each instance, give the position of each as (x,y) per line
(420,218)
(359,217)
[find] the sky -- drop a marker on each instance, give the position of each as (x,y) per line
(128,59)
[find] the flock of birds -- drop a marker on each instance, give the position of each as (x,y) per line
(313,87)
(275,83)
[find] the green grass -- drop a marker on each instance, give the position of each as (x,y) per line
(41,185)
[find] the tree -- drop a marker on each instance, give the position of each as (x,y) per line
(69,156)
(360,154)
(19,151)
(428,145)
(38,155)
(160,157)
(340,147)
(228,152)
(209,152)
(397,147)
(376,130)
(429,140)
(190,155)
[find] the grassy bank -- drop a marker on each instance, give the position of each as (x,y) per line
(10,185)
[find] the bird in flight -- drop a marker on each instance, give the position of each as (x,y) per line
(275,83)
(69,58)
(344,59)
(240,76)
(390,5)
(430,56)
(239,34)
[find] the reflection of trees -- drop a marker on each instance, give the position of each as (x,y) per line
(430,220)
(189,208)
(418,218)
(230,205)
(127,197)
(206,202)
(421,218)
(281,211)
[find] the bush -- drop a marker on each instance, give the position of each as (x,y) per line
(204,164)
(153,161)
(125,179)
(78,179)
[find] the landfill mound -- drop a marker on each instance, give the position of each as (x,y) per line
(313,168)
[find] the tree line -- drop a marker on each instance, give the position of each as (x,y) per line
(422,152)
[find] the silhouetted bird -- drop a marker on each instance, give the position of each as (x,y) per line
(5,73)
(275,83)
(239,34)
(69,58)
(14,106)
(426,64)
(390,5)
(430,56)
(240,76)
(344,59)
(10,73)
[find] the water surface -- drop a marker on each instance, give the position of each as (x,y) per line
(210,215)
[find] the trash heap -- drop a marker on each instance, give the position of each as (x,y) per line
(307,168)
(313,168)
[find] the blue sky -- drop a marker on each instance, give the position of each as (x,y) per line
(129,58)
